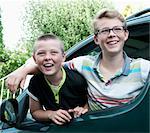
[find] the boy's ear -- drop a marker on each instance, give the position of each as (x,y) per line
(95,39)
(34,58)
(64,57)
(126,35)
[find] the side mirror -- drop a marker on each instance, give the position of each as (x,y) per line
(9,111)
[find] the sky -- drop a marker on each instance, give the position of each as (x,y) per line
(12,9)
(10,13)
(136,4)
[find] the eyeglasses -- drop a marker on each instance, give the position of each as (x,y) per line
(106,31)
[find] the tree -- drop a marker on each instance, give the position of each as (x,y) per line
(9,60)
(69,19)
(1,35)
(2,55)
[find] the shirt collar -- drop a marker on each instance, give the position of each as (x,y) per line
(125,68)
(56,89)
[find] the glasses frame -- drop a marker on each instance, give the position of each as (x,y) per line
(106,31)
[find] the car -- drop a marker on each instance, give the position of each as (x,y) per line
(130,117)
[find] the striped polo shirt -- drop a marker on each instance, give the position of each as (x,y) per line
(124,86)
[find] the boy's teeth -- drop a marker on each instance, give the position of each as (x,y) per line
(113,42)
(48,65)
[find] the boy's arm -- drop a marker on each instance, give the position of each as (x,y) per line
(58,117)
(17,78)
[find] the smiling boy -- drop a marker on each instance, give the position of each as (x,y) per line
(56,91)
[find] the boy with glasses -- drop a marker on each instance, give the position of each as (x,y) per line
(113,77)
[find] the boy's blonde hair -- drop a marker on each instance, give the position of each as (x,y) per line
(106,13)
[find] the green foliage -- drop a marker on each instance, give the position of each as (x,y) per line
(11,61)
(1,34)
(3,55)
(69,19)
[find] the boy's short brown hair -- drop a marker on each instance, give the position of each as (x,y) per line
(48,37)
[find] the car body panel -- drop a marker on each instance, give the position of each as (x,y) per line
(113,120)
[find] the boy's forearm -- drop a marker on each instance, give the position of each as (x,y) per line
(30,67)
(17,78)
(42,115)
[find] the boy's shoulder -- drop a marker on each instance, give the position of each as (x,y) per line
(38,77)
(86,58)
(73,74)
(140,61)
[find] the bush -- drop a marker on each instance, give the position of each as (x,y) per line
(11,61)
(69,19)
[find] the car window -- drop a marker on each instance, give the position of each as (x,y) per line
(136,46)
(138,42)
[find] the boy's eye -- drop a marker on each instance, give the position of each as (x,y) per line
(105,31)
(40,53)
(54,52)
(118,29)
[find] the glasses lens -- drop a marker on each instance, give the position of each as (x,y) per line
(106,31)
(103,31)
(118,29)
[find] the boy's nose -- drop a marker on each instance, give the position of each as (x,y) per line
(48,56)
(111,33)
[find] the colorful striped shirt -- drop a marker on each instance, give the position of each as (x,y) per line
(124,86)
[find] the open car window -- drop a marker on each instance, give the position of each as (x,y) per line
(137,45)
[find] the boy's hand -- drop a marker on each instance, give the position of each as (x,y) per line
(77,111)
(15,80)
(60,117)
